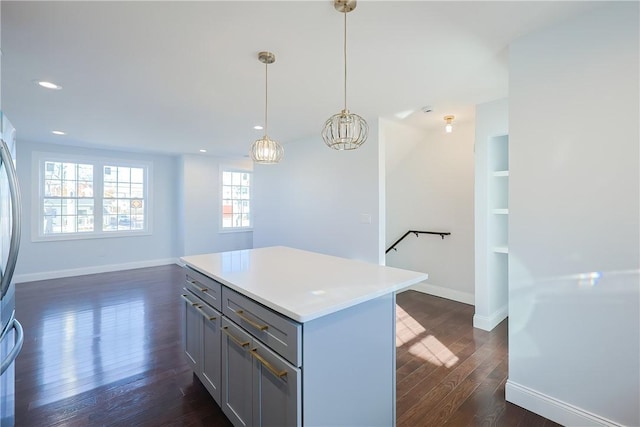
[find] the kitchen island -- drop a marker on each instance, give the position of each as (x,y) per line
(281,336)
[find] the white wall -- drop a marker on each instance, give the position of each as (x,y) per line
(429,186)
(40,260)
(574,291)
(491,293)
(200,206)
(314,199)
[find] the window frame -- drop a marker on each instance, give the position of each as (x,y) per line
(37,206)
(236,169)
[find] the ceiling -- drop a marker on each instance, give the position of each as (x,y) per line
(177,76)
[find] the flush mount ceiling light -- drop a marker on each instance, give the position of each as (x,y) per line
(58,132)
(265,150)
(48,85)
(448,127)
(345,130)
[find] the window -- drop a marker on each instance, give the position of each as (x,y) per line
(236,200)
(84,197)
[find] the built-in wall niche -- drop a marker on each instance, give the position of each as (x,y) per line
(498,194)
(499,155)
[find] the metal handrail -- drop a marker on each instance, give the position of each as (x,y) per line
(416,232)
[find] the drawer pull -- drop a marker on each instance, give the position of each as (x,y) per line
(258,326)
(184,297)
(205,314)
(225,329)
(197,285)
(269,366)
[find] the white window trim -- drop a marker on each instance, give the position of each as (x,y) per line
(37,168)
(226,168)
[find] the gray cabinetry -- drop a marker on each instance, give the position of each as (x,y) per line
(237,384)
(202,338)
(210,372)
(192,331)
(347,359)
(276,389)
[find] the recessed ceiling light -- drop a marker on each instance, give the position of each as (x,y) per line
(258,127)
(202,150)
(58,132)
(49,85)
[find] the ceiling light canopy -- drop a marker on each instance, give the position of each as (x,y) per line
(265,150)
(449,126)
(49,85)
(345,130)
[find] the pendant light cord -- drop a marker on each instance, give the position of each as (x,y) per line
(345,61)
(266,96)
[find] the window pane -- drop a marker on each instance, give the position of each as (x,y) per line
(85,173)
(226,192)
(137,190)
(235,178)
(110,174)
(68,207)
(52,188)
(52,170)
(85,189)
(110,190)
(69,171)
(69,188)
(124,190)
(124,174)
(137,175)
(226,178)
(69,224)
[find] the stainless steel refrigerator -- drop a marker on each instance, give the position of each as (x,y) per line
(11,335)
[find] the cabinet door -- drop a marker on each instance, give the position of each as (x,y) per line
(236,375)
(192,331)
(210,363)
(276,389)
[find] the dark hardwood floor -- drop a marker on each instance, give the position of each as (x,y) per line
(105,350)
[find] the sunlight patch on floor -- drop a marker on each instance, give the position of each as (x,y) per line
(427,347)
(433,351)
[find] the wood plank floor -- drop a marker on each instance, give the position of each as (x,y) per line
(105,350)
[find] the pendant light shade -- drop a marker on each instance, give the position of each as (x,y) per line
(345,130)
(265,150)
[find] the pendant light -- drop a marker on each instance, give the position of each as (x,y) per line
(265,150)
(345,130)
(449,126)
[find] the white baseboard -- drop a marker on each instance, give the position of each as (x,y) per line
(487,323)
(553,409)
(30,277)
(447,293)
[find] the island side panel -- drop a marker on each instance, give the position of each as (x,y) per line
(349,365)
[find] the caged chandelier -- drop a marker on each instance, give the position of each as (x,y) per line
(265,150)
(345,130)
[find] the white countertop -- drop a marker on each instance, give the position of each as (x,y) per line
(299,284)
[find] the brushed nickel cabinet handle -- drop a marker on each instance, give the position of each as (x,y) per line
(266,364)
(225,329)
(258,326)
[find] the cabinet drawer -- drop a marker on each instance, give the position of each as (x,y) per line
(281,334)
(205,288)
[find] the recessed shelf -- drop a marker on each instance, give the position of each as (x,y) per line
(500,211)
(501,249)
(501,173)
